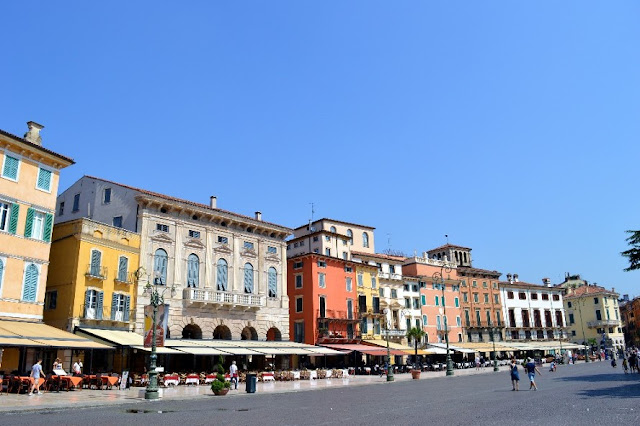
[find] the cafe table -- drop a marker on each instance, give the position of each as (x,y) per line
(192,379)
(71,381)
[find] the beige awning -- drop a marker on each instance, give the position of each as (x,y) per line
(118,337)
(159,349)
(201,351)
(392,345)
(39,334)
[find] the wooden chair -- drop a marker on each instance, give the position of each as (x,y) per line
(51,383)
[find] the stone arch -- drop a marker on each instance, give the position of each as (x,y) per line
(222,332)
(249,333)
(191,331)
(273,334)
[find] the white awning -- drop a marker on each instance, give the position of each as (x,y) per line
(159,350)
(201,351)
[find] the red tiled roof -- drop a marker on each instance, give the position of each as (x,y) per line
(37,147)
(471,270)
(525,284)
(180,200)
(449,246)
(378,255)
(586,290)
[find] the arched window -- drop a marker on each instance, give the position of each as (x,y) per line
(30,286)
(193,270)
(160,267)
(221,276)
(365,239)
(273,282)
(96,260)
(333,229)
(248,278)
(350,235)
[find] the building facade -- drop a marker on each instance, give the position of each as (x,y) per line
(630,315)
(594,317)
(532,311)
(91,280)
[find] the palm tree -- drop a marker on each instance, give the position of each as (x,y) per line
(416,334)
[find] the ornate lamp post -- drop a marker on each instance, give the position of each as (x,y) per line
(390,377)
(156,299)
(493,340)
(438,279)
(584,339)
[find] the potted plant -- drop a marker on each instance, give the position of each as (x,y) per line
(416,334)
(220,386)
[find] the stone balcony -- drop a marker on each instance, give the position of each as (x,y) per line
(602,323)
(393,333)
(223,298)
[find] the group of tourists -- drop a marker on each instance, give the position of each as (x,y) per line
(630,361)
(531,369)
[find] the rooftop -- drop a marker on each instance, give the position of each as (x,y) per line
(588,290)
(453,246)
(336,221)
(378,256)
(37,147)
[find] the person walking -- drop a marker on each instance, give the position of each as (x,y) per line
(515,376)
(477,360)
(233,372)
(625,365)
(532,369)
(36,371)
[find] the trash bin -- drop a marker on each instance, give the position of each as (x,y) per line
(252,380)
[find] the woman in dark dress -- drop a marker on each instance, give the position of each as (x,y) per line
(515,376)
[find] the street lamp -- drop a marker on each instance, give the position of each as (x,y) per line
(438,279)
(389,369)
(156,299)
(584,339)
(493,340)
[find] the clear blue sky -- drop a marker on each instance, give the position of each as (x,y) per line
(511,126)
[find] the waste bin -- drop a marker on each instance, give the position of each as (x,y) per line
(252,380)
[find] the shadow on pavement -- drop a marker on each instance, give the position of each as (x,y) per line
(602,378)
(631,390)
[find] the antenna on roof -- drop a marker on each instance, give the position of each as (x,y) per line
(389,242)
(447,237)
(311,228)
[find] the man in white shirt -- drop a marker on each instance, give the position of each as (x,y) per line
(77,368)
(233,372)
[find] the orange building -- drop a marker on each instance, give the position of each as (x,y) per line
(322,299)
(437,305)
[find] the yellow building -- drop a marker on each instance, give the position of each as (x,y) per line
(29,176)
(369,309)
(91,280)
(593,314)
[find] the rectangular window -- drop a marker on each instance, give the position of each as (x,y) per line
(484,284)
(416,303)
(50,300)
(545,296)
(407,303)
(495,299)
(5,215)
(327,238)
(44,180)
(509,295)
(360,280)
(394,293)
(272,250)
(194,234)
(424,320)
(162,228)
(223,240)
(117,221)
(522,296)
(298,265)
(595,300)
(123,269)
(61,208)
(424,299)
(458,322)
(474,283)
(299,304)
(10,167)
(556,297)
(322,264)
(248,245)
(571,320)
(106,197)
(295,245)
(465,297)
(344,255)
(475,297)
(348,269)
(373,282)
(327,252)
(321,280)
(437,301)
(534,296)
(302,243)
(315,238)
(76,203)
(392,269)
(486,298)
(457,302)
(598,315)
(298,331)
(37,230)
(299,281)
(349,284)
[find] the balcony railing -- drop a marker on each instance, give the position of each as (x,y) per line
(483,324)
(94,314)
(370,313)
(389,275)
(602,323)
(128,278)
(393,333)
(332,315)
(196,295)
(96,272)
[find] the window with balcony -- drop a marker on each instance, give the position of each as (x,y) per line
(221,275)
(96,263)
(123,269)
(272,282)
(93,304)
(598,315)
(193,270)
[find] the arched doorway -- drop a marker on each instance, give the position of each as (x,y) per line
(222,332)
(191,331)
(249,333)
(273,334)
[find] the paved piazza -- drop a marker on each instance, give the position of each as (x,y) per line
(581,394)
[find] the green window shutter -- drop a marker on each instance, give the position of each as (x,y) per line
(48,226)
(100,305)
(114,302)
(87,301)
(127,307)
(44,179)
(28,227)
(13,221)
(30,287)
(10,167)
(122,269)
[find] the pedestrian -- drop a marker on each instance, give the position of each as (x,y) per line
(552,366)
(477,363)
(625,365)
(36,371)
(57,364)
(614,364)
(233,372)
(77,368)
(482,361)
(515,376)
(531,369)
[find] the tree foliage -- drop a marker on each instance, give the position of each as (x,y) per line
(633,254)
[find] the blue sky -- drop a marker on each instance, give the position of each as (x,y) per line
(510,126)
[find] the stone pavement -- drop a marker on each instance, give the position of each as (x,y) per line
(100,398)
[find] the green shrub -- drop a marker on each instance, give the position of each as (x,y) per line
(217,385)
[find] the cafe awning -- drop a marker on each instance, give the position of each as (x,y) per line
(200,351)
(451,348)
(159,349)
(42,335)
(365,349)
(392,345)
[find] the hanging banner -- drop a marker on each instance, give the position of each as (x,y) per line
(162,318)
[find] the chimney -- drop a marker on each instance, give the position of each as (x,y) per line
(625,297)
(613,289)
(515,277)
(546,281)
(33,135)
(509,279)
(259,216)
(213,202)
